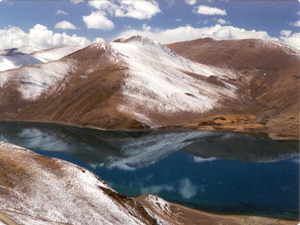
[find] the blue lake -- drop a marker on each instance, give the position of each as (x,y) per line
(214,171)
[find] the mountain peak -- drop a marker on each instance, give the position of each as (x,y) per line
(139,39)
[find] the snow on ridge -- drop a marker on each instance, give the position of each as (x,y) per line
(22,50)
(106,47)
(60,192)
(289,50)
(154,148)
(163,54)
(160,204)
(56,53)
(35,80)
(158,81)
(29,55)
(8,62)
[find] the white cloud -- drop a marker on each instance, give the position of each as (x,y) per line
(138,9)
(146,27)
(203,21)
(222,21)
(295,24)
(178,20)
(127,26)
(60,12)
(296,160)
(285,33)
(200,160)
(39,36)
(292,40)
(191,2)
(7,2)
(65,25)
(219,32)
(77,1)
(135,9)
(97,20)
(98,40)
(121,166)
(104,5)
(156,189)
(298,13)
(185,33)
(207,10)
(187,189)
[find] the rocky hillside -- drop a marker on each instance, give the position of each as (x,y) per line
(268,73)
(40,190)
(36,189)
(138,84)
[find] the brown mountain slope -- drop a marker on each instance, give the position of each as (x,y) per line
(115,85)
(138,83)
(269,74)
(171,213)
(40,190)
(87,94)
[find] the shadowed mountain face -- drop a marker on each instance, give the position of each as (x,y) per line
(141,84)
(140,149)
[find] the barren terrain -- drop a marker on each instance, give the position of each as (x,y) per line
(242,85)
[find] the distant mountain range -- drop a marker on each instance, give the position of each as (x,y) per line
(240,85)
(17,57)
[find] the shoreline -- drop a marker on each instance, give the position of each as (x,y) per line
(196,216)
(165,128)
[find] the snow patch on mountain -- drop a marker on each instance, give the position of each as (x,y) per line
(17,57)
(159,203)
(55,53)
(34,80)
(284,47)
(161,207)
(60,192)
(159,81)
(155,147)
(15,61)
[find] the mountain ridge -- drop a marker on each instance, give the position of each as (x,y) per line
(29,55)
(140,84)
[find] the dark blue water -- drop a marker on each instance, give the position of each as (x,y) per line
(213,171)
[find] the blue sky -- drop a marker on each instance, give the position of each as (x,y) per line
(165,21)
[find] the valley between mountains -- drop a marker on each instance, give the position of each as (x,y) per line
(237,85)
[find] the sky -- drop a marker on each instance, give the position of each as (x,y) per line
(46,24)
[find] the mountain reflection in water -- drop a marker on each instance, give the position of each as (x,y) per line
(215,171)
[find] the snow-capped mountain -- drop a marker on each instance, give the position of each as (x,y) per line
(139,83)
(150,79)
(29,55)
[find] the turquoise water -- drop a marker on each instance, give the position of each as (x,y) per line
(213,171)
